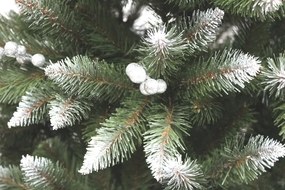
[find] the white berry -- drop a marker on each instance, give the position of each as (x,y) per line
(10,49)
(1,52)
(142,89)
(21,50)
(162,86)
(136,73)
(38,60)
(130,67)
(151,86)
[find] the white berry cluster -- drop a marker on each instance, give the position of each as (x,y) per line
(12,49)
(148,86)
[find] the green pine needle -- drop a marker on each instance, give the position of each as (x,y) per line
(33,108)
(258,9)
(15,82)
(11,178)
(237,163)
(163,141)
(279,113)
(201,29)
(204,111)
(118,138)
(162,50)
(59,21)
(224,72)
(93,79)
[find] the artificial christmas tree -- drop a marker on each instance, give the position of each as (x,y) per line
(89,101)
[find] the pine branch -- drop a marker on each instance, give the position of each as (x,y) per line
(15,28)
(59,16)
(41,173)
(164,137)
(162,142)
(202,29)
(279,115)
(94,79)
(11,178)
(32,109)
(61,151)
(258,9)
(224,72)
(204,111)
(274,76)
(162,51)
(183,175)
(15,82)
(242,164)
(118,138)
(67,111)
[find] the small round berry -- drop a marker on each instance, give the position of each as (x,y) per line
(38,60)
(142,89)
(10,49)
(136,73)
(162,86)
(151,86)
(21,50)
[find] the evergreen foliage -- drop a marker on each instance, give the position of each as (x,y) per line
(42,174)
(273,76)
(224,72)
(15,83)
(259,9)
(204,111)
(95,79)
(159,51)
(118,138)
(31,110)
(201,29)
(78,120)
(11,178)
(243,163)
(66,112)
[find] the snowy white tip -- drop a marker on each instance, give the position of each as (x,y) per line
(267,6)
(159,39)
(20,116)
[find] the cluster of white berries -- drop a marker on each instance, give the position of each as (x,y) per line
(12,49)
(148,86)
